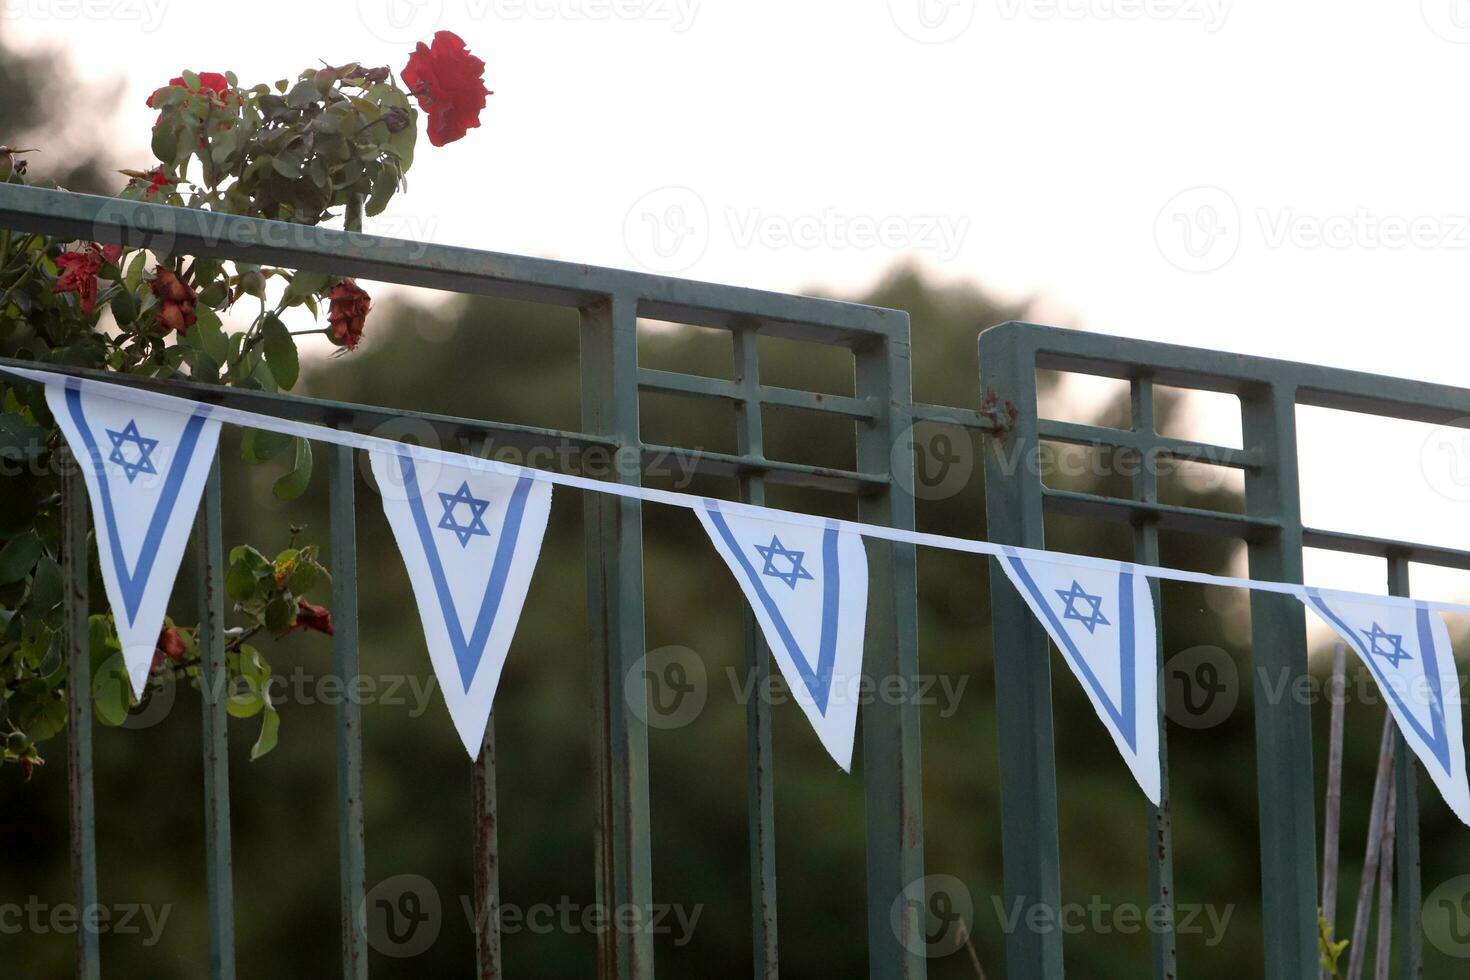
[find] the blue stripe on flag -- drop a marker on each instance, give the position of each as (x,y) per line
(467,653)
(135,583)
(818,682)
(1439,742)
(1125,719)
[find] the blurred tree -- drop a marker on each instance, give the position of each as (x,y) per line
(41,92)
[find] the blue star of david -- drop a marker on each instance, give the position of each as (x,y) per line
(1091,620)
(144,462)
(774,550)
(1395,653)
(476,525)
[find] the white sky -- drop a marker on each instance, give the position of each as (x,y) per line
(1043,148)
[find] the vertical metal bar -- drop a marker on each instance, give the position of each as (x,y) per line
(760,777)
(83,822)
(487,861)
(1409,926)
(351,845)
(213,686)
(892,779)
(1028,816)
(1285,790)
(1160,818)
(614,541)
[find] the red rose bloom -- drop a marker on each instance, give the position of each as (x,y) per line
(79,275)
(348,312)
(209,81)
(176,301)
(312,617)
(449,83)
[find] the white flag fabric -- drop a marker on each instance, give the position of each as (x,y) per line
(1407,649)
(1100,614)
(145,469)
(470,540)
(808,587)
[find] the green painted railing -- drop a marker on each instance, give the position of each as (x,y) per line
(609,303)
(1271,528)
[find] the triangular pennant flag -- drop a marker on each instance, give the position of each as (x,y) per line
(470,540)
(1100,614)
(808,587)
(145,469)
(1407,649)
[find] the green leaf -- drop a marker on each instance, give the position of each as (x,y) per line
(302,94)
(290,486)
(278,615)
(280,352)
(240,581)
(46,585)
(270,726)
(124,307)
(212,339)
(111,696)
(258,445)
(19,555)
(165,142)
(134,276)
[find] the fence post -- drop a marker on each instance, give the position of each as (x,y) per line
(760,775)
(614,541)
(1409,926)
(213,687)
(892,781)
(351,844)
(83,823)
(1028,780)
(1285,794)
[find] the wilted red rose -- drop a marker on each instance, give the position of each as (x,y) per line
(449,83)
(348,312)
(79,275)
(211,82)
(176,301)
(313,617)
(170,646)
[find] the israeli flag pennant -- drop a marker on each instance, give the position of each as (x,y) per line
(1407,649)
(1100,614)
(145,467)
(808,587)
(470,540)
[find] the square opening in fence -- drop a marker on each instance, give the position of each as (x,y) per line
(1089,399)
(685,349)
(1197,415)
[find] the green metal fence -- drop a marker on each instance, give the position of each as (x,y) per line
(1271,528)
(609,303)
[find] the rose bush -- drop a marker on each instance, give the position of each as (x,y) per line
(334,144)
